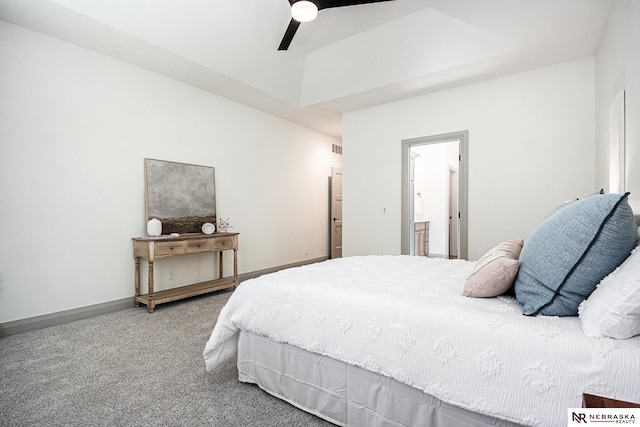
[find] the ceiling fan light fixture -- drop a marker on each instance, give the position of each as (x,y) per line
(304,11)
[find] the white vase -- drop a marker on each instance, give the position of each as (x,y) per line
(208,228)
(154,227)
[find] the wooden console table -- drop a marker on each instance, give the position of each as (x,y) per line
(152,248)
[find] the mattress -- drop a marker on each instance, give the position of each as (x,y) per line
(405,318)
(344,394)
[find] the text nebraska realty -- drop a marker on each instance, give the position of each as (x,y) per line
(605,418)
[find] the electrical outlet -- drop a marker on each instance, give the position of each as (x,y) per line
(306,251)
(172,274)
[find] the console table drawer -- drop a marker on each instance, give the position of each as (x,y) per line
(195,246)
(170,248)
(223,243)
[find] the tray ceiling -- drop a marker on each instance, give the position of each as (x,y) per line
(348,58)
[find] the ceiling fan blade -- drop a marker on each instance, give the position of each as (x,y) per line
(288,35)
(326,4)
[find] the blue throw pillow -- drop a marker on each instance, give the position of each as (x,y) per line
(571,250)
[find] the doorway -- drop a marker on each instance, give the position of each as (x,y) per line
(434,195)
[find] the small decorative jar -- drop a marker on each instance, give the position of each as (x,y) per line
(154,227)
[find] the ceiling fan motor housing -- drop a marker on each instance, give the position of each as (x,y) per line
(304,11)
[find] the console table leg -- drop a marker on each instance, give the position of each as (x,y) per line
(220,264)
(151,304)
(136,304)
(235,268)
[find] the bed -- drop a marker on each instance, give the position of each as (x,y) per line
(411,326)
(392,341)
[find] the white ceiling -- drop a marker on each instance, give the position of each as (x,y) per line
(348,58)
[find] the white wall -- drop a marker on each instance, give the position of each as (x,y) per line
(618,68)
(75,127)
(531,147)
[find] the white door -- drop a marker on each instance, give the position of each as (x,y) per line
(336,213)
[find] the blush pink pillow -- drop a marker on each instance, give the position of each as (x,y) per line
(495,272)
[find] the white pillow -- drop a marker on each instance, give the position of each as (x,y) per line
(613,309)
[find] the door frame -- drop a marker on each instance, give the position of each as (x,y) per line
(462,137)
(335,219)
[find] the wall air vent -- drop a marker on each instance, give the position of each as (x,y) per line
(337,149)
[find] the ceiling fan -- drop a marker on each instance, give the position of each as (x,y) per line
(305,11)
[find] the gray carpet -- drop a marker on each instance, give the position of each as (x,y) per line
(132,368)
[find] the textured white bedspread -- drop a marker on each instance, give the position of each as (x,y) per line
(406,317)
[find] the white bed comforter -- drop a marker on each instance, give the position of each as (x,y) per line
(406,317)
